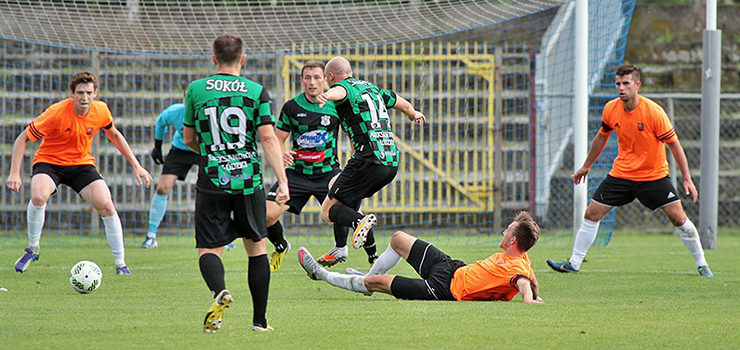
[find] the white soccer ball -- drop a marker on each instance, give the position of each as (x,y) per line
(85,276)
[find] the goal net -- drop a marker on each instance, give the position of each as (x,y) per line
(494,77)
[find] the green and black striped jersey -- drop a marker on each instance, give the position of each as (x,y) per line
(364,117)
(226,111)
(314,132)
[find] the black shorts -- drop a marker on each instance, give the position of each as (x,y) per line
(436,270)
(75,176)
(360,179)
(214,225)
(302,187)
(179,162)
(616,192)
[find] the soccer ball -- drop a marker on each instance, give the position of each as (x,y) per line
(85,276)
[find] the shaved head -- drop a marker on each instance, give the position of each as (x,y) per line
(337,69)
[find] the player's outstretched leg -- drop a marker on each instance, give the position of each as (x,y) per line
(282,246)
(276,257)
(313,269)
(221,302)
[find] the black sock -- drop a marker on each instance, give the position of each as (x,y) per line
(340,235)
(258,277)
(369,246)
(343,215)
(212,270)
(275,235)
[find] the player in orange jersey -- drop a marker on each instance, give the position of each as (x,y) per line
(498,278)
(640,170)
(68,128)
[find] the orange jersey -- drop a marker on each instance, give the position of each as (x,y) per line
(490,279)
(67,138)
(642,134)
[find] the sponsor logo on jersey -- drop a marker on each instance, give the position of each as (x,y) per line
(312,157)
(226,178)
(300,115)
(312,139)
(226,85)
(325,120)
(640,127)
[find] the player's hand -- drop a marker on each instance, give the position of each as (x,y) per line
(157,156)
(288,158)
(535,301)
(14,182)
(418,118)
(580,175)
(282,195)
(141,174)
(322,98)
(690,189)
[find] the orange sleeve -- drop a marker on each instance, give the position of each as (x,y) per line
(43,124)
(606,123)
(664,130)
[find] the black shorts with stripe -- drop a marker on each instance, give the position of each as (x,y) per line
(302,186)
(179,162)
(616,192)
(215,226)
(75,176)
(436,270)
(359,180)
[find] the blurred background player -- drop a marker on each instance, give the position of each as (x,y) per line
(639,171)
(311,163)
(176,167)
(67,130)
(362,110)
(498,278)
(223,114)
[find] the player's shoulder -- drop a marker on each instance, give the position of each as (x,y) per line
(100,107)
(60,105)
(175,108)
(652,106)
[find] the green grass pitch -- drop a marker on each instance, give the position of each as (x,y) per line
(642,291)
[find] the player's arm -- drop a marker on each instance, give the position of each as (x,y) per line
(272,147)
(683,165)
(188,136)
(120,142)
(408,109)
(336,93)
(16,161)
(282,135)
(525,287)
(535,288)
(597,146)
(160,129)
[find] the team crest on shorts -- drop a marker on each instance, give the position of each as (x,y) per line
(325,120)
(89,131)
(640,127)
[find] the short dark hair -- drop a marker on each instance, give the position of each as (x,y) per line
(526,231)
(313,64)
(629,69)
(228,48)
(82,78)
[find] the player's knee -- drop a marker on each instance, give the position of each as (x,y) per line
(39,200)
(163,189)
(106,209)
(398,240)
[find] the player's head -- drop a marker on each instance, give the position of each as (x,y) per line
(337,69)
(523,232)
(83,87)
(312,78)
(228,50)
(627,79)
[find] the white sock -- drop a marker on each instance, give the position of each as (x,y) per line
(386,261)
(114,233)
(690,237)
(35,217)
(349,282)
(585,237)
